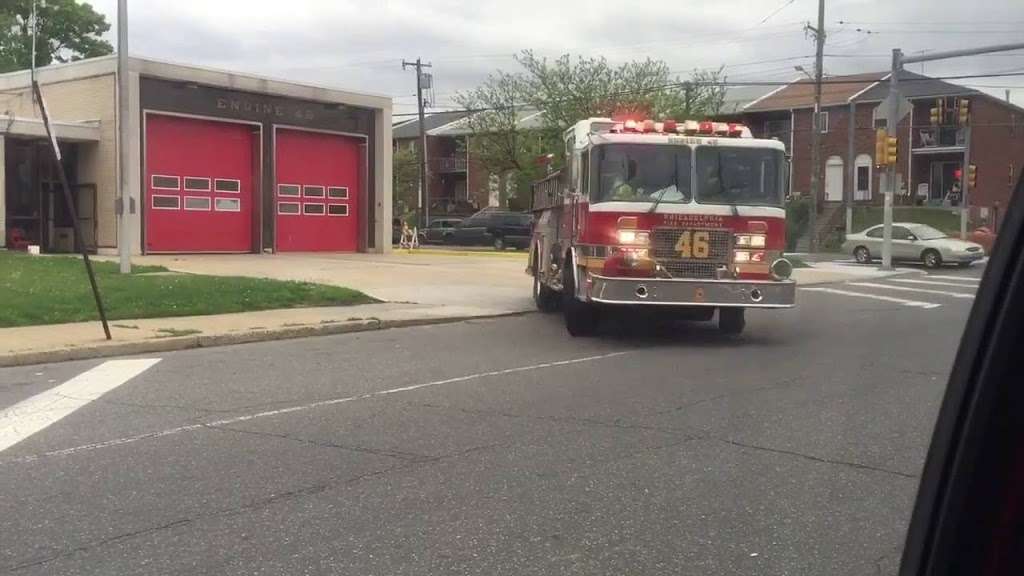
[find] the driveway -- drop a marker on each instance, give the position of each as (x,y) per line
(493,281)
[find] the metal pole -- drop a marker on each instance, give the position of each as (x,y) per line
(890,128)
(124,240)
(965,183)
(851,160)
(819,55)
(424,186)
(55,148)
(967,52)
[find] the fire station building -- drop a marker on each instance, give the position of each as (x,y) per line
(219,162)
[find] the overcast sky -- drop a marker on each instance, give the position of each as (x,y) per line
(359,45)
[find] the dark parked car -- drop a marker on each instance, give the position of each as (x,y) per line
(494,228)
(439,231)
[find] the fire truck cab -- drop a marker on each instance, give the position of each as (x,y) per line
(685,216)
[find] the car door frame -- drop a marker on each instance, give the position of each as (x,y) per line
(966,470)
(904,249)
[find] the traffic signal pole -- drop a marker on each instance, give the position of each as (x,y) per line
(898,61)
(890,171)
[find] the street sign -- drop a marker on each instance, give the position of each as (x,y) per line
(882,111)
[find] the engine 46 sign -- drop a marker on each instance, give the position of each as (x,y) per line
(693,244)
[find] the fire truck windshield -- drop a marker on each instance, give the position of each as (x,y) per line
(641,173)
(739,176)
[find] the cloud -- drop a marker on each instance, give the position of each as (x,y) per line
(360,45)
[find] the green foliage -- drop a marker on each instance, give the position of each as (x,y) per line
(52,290)
(67,30)
(944,219)
(798,219)
(405,179)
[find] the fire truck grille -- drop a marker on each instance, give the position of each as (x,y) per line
(663,250)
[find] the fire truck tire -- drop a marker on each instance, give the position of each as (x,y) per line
(731,321)
(581,318)
(547,299)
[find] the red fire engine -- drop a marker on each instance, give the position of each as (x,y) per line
(687,216)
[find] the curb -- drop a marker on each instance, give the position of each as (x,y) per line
(173,344)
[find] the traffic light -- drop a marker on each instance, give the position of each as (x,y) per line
(892,147)
(963,114)
(880,138)
(937,112)
(972,176)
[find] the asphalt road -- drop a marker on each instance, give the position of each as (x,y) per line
(501,447)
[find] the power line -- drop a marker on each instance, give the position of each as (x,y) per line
(727,84)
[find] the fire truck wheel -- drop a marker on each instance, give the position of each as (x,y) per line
(581,319)
(731,320)
(544,296)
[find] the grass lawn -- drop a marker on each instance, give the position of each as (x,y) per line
(944,219)
(52,290)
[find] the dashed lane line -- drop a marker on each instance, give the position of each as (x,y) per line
(933,283)
(968,279)
(911,303)
(909,289)
(303,407)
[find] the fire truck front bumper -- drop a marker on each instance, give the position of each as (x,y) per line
(680,292)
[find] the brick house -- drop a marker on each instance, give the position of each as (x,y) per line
(930,157)
(459,184)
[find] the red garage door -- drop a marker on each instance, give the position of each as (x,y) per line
(316,191)
(199,185)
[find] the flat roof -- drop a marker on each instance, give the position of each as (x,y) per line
(234,80)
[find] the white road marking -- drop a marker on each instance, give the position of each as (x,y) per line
(933,283)
(303,407)
(909,289)
(40,411)
(912,303)
(969,279)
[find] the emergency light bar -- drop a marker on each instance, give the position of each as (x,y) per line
(689,127)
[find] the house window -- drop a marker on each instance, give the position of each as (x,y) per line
(863,177)
(823,122)
(862,188)
(876,121)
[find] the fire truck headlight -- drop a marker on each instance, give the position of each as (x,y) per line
(750,240)
(744,256)
(741,256)
(634,237)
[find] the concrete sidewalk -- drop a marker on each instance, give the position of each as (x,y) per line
(421,287)
(62,342)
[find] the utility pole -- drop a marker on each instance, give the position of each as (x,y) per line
(851,156)
(898,61)
(890,169)
(124,241)
(819,56)
(424,197)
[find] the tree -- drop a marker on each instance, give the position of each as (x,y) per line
(405,182)
(498,142)
(66,30)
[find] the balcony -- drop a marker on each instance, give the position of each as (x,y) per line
(450,164)
(938,139)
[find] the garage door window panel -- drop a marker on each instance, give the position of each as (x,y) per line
(337,210)
(193,184)
(289,190)
(198,203)
(313,209)
(228,186)
(228,205)
(162,202)
(159,182)
(313,191)
(289,208)
(337,193)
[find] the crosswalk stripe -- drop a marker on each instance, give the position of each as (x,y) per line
(912,303)
(967,279)
(40,411)
(909,289)
(933,283)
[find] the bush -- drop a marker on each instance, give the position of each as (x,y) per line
(798,219)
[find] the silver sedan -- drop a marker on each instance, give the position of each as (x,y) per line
(913,242)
